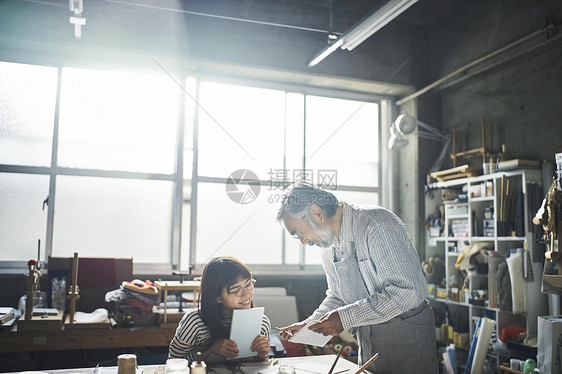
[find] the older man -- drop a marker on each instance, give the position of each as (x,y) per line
(375,282)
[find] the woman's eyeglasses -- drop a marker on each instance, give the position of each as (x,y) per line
(239,291)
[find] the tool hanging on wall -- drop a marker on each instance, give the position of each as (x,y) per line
(549,216)
(33,277)
(37,318)
(73,294)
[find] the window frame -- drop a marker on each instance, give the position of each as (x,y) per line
(192,181)
(282,268)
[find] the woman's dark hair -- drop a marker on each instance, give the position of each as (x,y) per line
(219,273)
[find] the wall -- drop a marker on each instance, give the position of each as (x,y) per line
(519,98)
(518,93)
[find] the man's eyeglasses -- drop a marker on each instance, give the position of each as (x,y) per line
(239,291)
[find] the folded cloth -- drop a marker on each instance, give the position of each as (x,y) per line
(146,287)
(142,306)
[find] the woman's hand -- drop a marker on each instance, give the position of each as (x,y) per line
(261,345)
(225,347)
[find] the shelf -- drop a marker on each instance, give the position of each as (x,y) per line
(471,215)
(482,238)
(481,198)
(485,307)
(480,178)
(457,216)
(458,303)
(511,239)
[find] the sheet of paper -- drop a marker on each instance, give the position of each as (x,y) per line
(309,368)
(246,326)
(306,336)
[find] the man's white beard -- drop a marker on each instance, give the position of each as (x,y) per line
(327,238)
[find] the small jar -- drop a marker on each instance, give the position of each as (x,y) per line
(176,366)
(286,369)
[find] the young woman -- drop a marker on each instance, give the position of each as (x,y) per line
(226,284)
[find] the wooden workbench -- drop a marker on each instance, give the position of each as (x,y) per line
(324,361)
(54,340)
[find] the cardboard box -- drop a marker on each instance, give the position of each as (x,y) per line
(549,344)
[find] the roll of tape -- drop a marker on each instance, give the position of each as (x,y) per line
(126,364)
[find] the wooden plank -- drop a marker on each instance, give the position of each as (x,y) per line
(17,341)
(47,322)
(466,174)
(177,286)
(105,324)
(457,169)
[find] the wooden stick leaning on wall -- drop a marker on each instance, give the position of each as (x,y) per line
(501,201)
(73,293)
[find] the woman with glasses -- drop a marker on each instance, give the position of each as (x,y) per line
(226,284)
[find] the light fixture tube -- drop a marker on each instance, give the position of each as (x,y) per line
(374,22)
(325,52)
(365,28)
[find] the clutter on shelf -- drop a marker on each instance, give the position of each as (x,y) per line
(134,303)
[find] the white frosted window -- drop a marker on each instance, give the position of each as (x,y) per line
(240,128)
(118,121)
(27,108)
(22,219)
(342,135)
(248,232)
(106,217)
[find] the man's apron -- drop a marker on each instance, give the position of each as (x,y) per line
(406,343)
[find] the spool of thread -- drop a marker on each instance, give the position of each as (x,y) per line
(347,350)
(338,347)
(126,364)
(198,368)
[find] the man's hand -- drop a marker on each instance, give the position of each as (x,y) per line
(288,331)
(261,345)
(225,347)
(329,324)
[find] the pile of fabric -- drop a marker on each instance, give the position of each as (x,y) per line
(135,296)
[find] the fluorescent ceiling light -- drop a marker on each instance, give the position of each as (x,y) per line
(365,28)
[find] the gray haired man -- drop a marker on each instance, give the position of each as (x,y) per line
(376,285)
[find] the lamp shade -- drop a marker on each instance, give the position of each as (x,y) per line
(405,123)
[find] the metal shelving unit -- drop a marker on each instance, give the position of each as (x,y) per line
(493,194)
